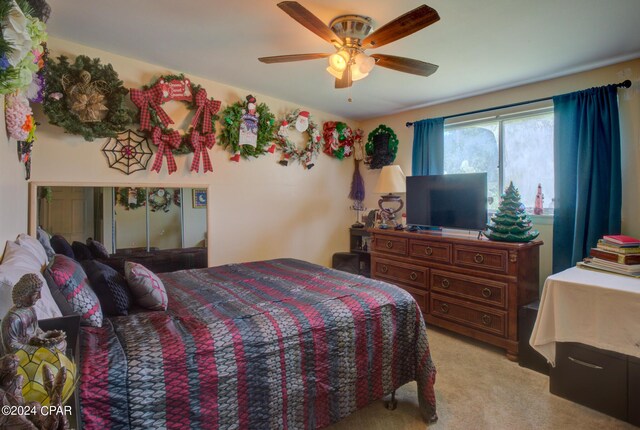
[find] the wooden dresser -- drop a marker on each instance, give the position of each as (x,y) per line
(467,285)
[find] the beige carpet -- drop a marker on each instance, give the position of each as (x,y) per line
(478,388)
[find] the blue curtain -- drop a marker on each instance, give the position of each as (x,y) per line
(428,147)
(588,192)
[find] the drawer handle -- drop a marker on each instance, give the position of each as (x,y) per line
(389,244)
(384,268)
(584,363)
(478,258)
(486,293)
(444,308)
(445,283)
(486,319)
(413,276)
(428,250)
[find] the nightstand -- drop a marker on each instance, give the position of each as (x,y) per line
(360,244)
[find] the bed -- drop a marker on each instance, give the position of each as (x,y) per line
(270,344)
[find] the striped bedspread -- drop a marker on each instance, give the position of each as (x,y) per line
(263,345)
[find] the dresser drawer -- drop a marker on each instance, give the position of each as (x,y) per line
(468,287)
(396,271)
(470,315)
(494,260)
(432,251)
(390,244)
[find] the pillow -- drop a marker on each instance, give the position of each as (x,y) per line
(18,261)
(43,238)
(35,247)
(61,246)
(97,249)
(71,290)
(81,251)
(110,287)
(147,289)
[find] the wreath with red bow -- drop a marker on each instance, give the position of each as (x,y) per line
(200,134)
(338,139)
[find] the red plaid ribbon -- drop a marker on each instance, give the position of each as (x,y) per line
(165,143)
(207,108)
(144,99)
(200,143)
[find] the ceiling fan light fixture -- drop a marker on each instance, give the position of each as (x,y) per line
(336,73)
(356,74)
(364,62)
(339,60)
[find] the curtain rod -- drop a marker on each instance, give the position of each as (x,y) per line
(624,84)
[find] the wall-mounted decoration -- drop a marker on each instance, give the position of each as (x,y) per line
(200,133)
(511,223)
(131,198)
(200,198)
(381,147)
(160,199)
(21,45)
(85,97)
(358,144)
(302,122)
(128,152)
(338,139)
(249,129)
(21,127)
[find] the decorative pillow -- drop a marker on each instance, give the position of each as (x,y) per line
(61,246)
(44,239)
(71,290)
(81,251)
(147,289)
(97,249)
(18,261)
(35,247)
(110,287)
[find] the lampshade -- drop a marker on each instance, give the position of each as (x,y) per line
(338,63)
(356,74)
(31,368)
(364,63)
(391,180)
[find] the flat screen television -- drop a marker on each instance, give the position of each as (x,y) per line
(449,201)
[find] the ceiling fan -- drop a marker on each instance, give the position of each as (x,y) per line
(351,35)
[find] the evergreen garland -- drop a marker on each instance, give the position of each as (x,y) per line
(230,135)
(185,143)
(384,157)
(511,223)
(56,104)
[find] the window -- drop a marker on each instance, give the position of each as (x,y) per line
(516,148)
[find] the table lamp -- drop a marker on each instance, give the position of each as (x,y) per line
(390,183)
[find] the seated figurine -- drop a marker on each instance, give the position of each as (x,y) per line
(19,329)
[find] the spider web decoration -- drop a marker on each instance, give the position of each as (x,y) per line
(128,152)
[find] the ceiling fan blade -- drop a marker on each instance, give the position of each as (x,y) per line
(345,81)
(407,65)
(296,11)
(402,26)
(292,57)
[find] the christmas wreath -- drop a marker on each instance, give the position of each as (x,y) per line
(338,139)
(85,98)
(381,147)
(301,121)
(160,199)
(248,129)
(21,45)
(131,198)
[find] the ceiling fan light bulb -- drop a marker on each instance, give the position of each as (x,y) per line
(339,60)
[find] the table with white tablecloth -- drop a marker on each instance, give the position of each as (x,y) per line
(589,307)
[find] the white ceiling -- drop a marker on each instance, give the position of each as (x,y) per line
(480,46)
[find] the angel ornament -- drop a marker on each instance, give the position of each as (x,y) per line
(86,98)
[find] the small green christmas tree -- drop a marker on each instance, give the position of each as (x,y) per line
(511,223)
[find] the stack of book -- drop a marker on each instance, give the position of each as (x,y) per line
(617,254)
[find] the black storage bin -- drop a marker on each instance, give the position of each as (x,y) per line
(527,356)
(592,377)
(634,391)
(346,262)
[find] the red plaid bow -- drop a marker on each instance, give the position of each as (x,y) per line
(200,145)
(207,108)
(165,143)
(145,99)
